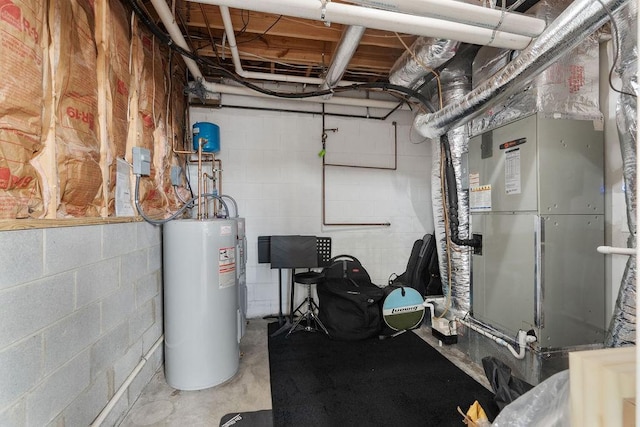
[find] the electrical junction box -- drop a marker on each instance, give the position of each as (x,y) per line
(537,198)
(176,171)
(141,161)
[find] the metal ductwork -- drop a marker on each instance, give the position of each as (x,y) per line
(456,83)
(425,52)
(344,52)
(580,19)
(622,329)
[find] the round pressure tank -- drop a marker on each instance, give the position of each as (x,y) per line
(200,302)
(207,134)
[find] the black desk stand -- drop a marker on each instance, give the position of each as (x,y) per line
(285,322)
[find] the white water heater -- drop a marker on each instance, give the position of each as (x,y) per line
(200,302)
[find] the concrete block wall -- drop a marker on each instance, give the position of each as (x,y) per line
(271,166)
(80,307)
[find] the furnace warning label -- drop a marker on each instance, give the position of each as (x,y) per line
(227,267)
(474,180)
(480,198)
(512,176)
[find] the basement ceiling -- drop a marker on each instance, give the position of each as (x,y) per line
(278,44)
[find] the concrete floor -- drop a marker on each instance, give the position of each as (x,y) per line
(248,390)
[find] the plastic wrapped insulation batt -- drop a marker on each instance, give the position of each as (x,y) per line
(579,20)
(23,186)
(428,52)
(569,88)
(622,330)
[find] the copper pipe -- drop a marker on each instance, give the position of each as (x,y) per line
(324,164)
(206,179)
(395,156)
(199,178)
(219,180)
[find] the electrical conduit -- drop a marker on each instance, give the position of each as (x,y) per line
(523,338)
(123,388)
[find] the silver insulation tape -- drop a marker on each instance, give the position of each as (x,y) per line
(429,52)
(579,20)
(622,329)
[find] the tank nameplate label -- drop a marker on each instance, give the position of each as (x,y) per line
(227,267)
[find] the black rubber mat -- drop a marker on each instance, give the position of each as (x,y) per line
(401,381)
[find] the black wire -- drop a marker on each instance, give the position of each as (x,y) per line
(616,55)
(166,39)
(264,33)
(244,24)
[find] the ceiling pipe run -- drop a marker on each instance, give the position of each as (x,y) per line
(235,56)
(580,19)
(351,102)
(464,13)
(167,18)
(380,19)
(169,21)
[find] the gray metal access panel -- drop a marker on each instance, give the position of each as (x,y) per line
(536,195)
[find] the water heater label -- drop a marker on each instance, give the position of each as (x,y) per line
(227,267)
(225,230)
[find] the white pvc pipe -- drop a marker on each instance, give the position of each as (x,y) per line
(123,388)
(166,16)
(235,56)
(380,19)
(351,102)
(464,13)
(610,250)
(523,338)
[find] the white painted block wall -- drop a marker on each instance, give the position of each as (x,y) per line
(79,306)
(272,168)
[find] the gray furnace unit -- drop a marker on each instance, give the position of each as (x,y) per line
(536,196)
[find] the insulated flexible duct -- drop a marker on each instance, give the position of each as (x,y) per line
(579,20)
(427,52)
(456,83)
(622,329)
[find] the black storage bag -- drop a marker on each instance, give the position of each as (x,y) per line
(349,302)
(506,387)
(422,272)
